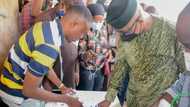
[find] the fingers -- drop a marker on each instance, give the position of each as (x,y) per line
(133,27)
(77,79)
(104,103)
(77,82)
(71,90)
(68,91)
(138,27)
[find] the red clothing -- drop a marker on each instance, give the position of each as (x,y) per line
(27,19)
(107,70)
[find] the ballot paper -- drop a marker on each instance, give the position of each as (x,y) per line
(88,99)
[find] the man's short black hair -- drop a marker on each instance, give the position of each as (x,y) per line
(79,11)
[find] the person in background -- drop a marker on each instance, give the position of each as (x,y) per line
(26,20)
(32,58)
(39,10)
(98,12)
(112,44)
(178,95)
(109,62)
(90,53)
(56,11)
(38,6)
(148,50)
(91,63)
(31,10)
(80,2)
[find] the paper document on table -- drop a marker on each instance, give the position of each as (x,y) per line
(88,99)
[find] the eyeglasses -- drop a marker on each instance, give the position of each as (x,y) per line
(130,29)
(129,35)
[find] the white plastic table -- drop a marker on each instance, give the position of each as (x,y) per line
(88,98)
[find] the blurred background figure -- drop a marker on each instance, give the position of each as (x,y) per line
(91,57)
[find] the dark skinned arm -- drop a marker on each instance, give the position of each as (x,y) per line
(31,89)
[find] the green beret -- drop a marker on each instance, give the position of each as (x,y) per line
(120,12)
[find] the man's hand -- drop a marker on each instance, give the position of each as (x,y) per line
(104,103)
(66,90)
(73,102)
(165,96)
(77,78)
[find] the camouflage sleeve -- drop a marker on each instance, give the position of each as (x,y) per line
(180,57)
(117,75)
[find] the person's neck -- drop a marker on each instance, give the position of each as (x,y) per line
(64,29)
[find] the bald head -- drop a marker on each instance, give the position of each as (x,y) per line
(183,26)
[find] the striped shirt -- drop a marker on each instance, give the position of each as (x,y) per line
(37,49)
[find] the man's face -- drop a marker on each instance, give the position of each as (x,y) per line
(98,50)
(76,30)
(98,22)
(99,18)
(91,44)
(131,23)
(136,24)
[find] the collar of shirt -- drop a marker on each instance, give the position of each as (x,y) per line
(61,33)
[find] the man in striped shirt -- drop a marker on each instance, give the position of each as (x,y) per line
(33,56)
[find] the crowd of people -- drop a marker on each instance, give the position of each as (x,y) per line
(124,48)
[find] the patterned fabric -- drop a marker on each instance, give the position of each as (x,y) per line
(153,60)
(37,49)
(88,55)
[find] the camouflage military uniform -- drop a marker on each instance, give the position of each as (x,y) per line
(153,60)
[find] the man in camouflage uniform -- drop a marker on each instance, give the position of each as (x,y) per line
(149,52)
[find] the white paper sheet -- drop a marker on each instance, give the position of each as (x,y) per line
(88,98)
